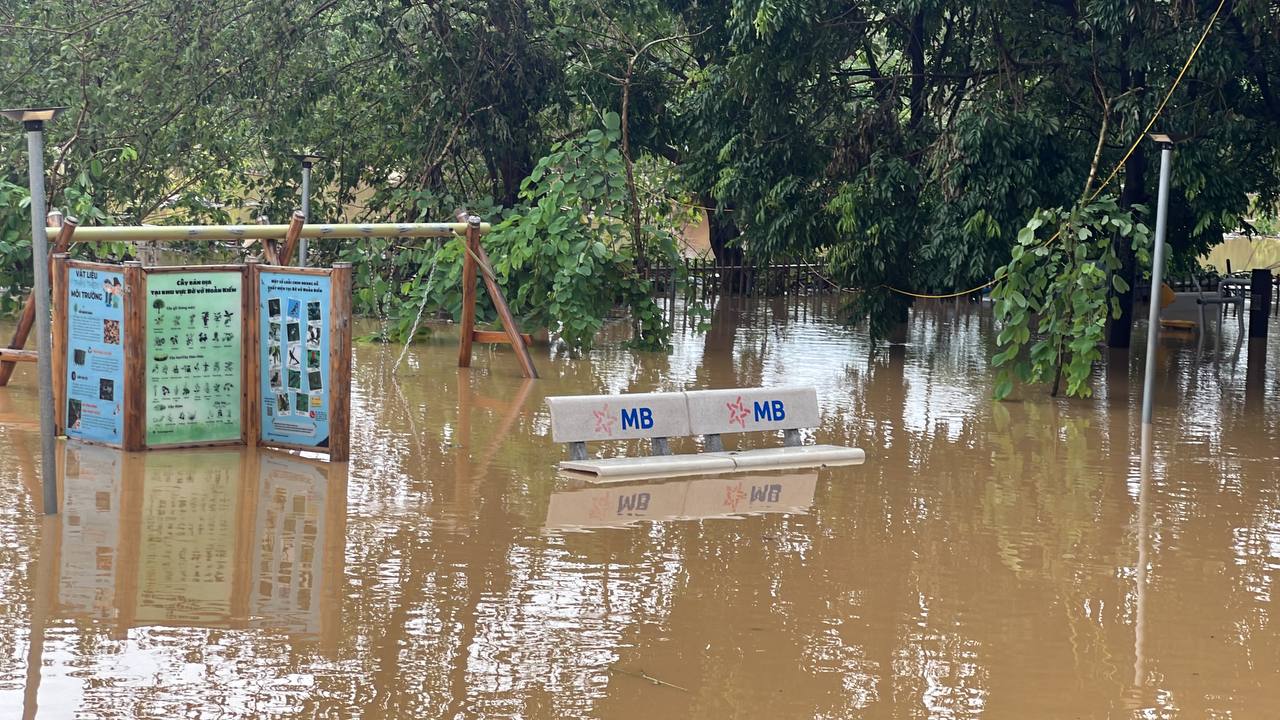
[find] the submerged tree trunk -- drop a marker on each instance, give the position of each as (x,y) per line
(723,233)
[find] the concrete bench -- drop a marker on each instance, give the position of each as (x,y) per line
(580,419)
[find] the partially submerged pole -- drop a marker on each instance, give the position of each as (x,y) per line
(1259,302)
(1157,277)
(33,120)
(307,161)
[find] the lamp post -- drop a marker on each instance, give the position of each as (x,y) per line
(33,120)
(1165,142)
(307,161)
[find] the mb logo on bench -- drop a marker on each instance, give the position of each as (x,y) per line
(636,418)
(771,410)
(641,417)
(768,410)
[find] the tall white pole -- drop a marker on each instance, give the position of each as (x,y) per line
(44,333)
(306,209)
(1157,279)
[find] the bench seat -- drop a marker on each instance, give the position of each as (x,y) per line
(657,417)
(799,456)
(636,468)
(652,465)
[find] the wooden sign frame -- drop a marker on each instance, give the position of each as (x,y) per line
(247,362)
(134,335)
(339,406)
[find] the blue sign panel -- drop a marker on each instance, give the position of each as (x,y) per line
(294,362)
(95,355)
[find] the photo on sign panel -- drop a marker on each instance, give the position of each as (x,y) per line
(273,332)
(106,389)
(293,332)
(313,336)
(295,356)
(295,380)
(313,359)
(273,356)
(273,308)
(73,414)
(313,311)
(111,332)
(300,403)
(295,309)
(277,381)
(282,404)
(313,380)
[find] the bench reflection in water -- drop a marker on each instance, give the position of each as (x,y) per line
(620,505)
(213,538)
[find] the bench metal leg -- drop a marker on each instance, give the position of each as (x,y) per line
(713,443)
(577,451)
(659,446)
(791,438)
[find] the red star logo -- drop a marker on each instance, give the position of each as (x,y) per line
(737,412)
(604,420)
(733,495)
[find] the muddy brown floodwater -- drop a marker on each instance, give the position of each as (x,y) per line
(1004,560)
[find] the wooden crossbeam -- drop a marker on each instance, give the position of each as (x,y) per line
(66,229)
(498,336)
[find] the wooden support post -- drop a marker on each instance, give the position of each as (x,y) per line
(466,334)
(134,396)
(291,238)
(340,362)
(28,318)
(1259,303)
(476,260)
(518,341)
(58,290)
(251,348)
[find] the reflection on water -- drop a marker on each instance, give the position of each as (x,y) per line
(228,538)
(630,503)
(1019,559)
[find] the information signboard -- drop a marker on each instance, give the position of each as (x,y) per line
(95,354)
(180,356)
(193,356)
(294,323)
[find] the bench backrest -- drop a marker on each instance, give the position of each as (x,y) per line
(714,412)
(581,418)
(585,418)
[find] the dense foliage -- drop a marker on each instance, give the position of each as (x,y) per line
(1057,291)
(900,143)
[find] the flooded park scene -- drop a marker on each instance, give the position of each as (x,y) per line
(795,359)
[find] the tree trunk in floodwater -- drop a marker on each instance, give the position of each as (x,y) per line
(723,233)
(1120,330)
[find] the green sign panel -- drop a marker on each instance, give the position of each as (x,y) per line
(194,329)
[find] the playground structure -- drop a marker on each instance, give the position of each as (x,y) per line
(273,366)
(278,245)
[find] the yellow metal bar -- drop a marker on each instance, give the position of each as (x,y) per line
(155,233)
